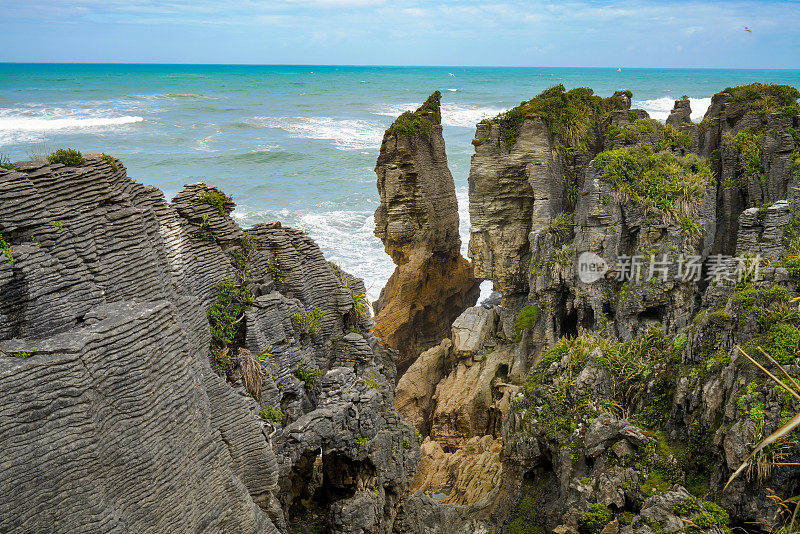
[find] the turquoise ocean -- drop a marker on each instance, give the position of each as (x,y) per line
(296,143)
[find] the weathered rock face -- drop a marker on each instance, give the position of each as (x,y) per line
(681,113)
(618,398)
(117,416)
(418,224)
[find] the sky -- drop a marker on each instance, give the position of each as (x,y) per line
(570,33)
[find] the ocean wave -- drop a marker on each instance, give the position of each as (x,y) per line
(346,134)
(659,108)
(174,96)
(461,115)
(42,124)
(29,126)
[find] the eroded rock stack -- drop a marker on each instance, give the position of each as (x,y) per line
(618,402)
(418,224)
(163,369)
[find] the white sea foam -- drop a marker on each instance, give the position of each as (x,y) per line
(347,134)
(465,116)
(659,108)
(31,125)
(174,96)
(451,90)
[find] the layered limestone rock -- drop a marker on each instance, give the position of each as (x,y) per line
(617,393)
(165,370)
(418,224)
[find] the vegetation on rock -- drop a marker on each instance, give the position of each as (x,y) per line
(67,156)
(309,321)
(217,200)
(659,182)
(418,122)
(111,162)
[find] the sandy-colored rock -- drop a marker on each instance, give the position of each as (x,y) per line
(415,389)
(418,224)
(471,328)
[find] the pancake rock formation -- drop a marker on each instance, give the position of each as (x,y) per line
(417,221)
(616,400)
(164,370)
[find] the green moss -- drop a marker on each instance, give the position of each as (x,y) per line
(595,518)
(67,156)
(309,321)
(748,143)
(685,507)
(418,122)
(58,224)
(111,162)
(23,354)
(713,516)
(481,141)
(278,274)
(527,517)
(783,343)
(309,377)
(273,415)
(526,318)
(216,199)
(626,518)
(792,265)
(718,358)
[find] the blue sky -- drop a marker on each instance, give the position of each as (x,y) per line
(668,33)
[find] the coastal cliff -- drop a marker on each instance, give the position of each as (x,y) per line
(164,369)
(417,221)
(615,398)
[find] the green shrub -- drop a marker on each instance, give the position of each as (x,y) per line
(273,415)
(205,232)
(216,199)
(418,122)
(308,377)
(659,182)
(309,321)
(714,516)
(69,157)
(225,319)
(595,518)
(6,248)
(23,354)
(361,305)
(278,274)
(685,507)
(5,163)
(571,116)
(111,162)
(783,343)
(626,518)
(764,99)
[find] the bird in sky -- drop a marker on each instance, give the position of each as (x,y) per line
(747,29)
(451,74)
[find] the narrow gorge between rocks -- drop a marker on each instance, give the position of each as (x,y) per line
(163,369)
